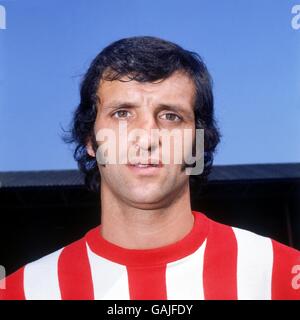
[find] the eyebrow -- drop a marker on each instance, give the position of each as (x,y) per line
(160,106)
(119,105)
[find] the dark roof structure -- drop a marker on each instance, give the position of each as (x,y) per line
(220,173)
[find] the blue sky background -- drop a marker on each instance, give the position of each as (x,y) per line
(250,48)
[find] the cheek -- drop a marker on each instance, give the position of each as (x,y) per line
(188,149)
(100,124)
(179,148)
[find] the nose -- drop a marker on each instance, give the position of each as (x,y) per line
(147,129)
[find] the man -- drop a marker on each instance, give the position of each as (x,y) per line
(150,244)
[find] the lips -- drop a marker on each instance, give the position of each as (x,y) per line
(146,164)
(141,165)
(145,168)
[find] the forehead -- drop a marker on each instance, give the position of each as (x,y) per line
(179,88)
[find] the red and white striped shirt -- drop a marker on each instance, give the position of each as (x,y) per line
(213,261)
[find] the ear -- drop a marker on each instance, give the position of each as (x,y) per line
(89,149)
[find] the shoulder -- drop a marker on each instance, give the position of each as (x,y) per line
(234,238)
(249,240)
(37,279)
(258,259)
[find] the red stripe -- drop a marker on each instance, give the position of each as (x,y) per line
(147,283)
(220,264)
(14,287)
(286,273)
(74,273)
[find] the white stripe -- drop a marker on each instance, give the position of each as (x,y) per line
(41,278)
(254,266)
(184,277)
(110,279)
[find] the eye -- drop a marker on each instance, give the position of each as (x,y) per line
(121,114)
(171,117)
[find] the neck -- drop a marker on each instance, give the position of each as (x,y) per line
(134,227)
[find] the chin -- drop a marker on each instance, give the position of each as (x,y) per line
(145,196)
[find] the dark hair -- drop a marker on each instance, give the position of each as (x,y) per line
(144,59)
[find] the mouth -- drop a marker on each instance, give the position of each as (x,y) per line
(145,168)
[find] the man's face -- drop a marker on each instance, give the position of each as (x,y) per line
(167,104)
